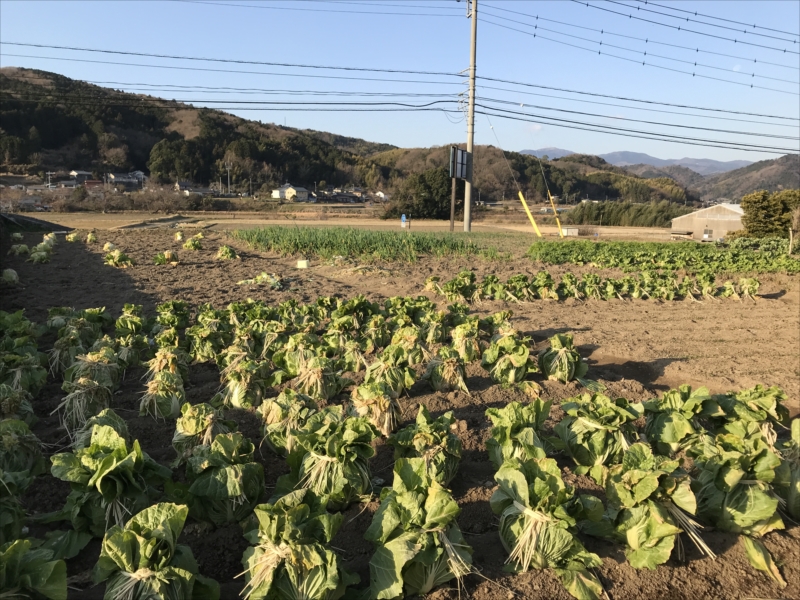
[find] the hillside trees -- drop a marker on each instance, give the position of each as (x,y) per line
(626,214)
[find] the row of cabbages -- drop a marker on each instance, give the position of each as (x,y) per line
(654,285)
(328,449)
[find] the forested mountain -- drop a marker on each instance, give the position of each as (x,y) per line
(684,176)
(772,175)
(51,122)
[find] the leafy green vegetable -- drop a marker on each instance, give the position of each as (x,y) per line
(198,425)
(446,371)
(508,360)
(108,481)
(16,404)
(756,404)
(787,476)
(144,560)
(226,253)
(515,431)
(466,341)
(331,458)
(26,572)
(376,402)
(392,369)
(597,431)
(648,498)
(419,543)
(318,378)
(225,482)
(291,557)
(538,514)
(282,415)
(163,397)
(247,382)
(20,450)
(561,362)
(12,515)
(432,440)
(85,399)
(670,423)
(733,487)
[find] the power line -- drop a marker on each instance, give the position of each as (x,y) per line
(679,28)
(151,87)
(209,70)
(511,82)
(688,20)
(320,10)
(697,14)
(643,62)
(398,107)
(248,103)
(644,52)
(232,61)
(612,128)
(645,40)
(627,134)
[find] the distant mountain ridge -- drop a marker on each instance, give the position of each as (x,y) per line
(703,166)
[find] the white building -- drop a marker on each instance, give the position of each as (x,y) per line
(710,223)
(291,193)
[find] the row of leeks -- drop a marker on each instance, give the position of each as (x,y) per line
(742,480)
(654,285)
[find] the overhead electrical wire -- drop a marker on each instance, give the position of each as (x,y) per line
(209,70)
(646,53)
(322,10)
(399,107)
(480,77)
(679,28)
(636,61)
(697,14)
(639,39)
(232,61)
(689,20)
(157,87)
(245,104)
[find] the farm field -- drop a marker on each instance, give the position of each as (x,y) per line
(636,348)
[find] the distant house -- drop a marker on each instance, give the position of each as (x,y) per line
(710,223)
(345,197)
(183,186)
(291,192)
(382,196)
(71,184)
(138,176)
(122,180)
(93,184)
(80,176)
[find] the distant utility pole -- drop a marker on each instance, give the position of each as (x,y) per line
(228,166)
(471,116)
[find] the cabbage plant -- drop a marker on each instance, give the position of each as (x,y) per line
(318,377)
(671,420)
(83,437)
(225,483)
(787,476)
(733,489)
(561,362)
(376,402)
(508,361)
(20,450)
(538,516)
(16,404)
(198,425)
(433,441)
(596,431)
(164,396)
(446,371)
(12,515)
(515,431)
(331,458)
(281,416)
(392,368)
(108,481)
(466,340)
(29,572)
(419,545)
(650,501)
(291,557)
(143,559)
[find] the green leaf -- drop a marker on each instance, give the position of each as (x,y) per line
(386,565)
(581,584)
(761,559)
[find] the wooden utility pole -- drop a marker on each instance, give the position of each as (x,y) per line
(453,206)
(471,115)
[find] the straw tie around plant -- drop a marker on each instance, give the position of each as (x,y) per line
(270,560)
(127,589)
(525,548)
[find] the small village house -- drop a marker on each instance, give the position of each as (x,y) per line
(709,224)
(290,193)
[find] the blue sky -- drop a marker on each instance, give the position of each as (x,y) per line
(433,35)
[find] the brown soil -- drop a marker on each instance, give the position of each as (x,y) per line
(636,348)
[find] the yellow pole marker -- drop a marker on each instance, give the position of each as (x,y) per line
(530,216)
(555,213)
